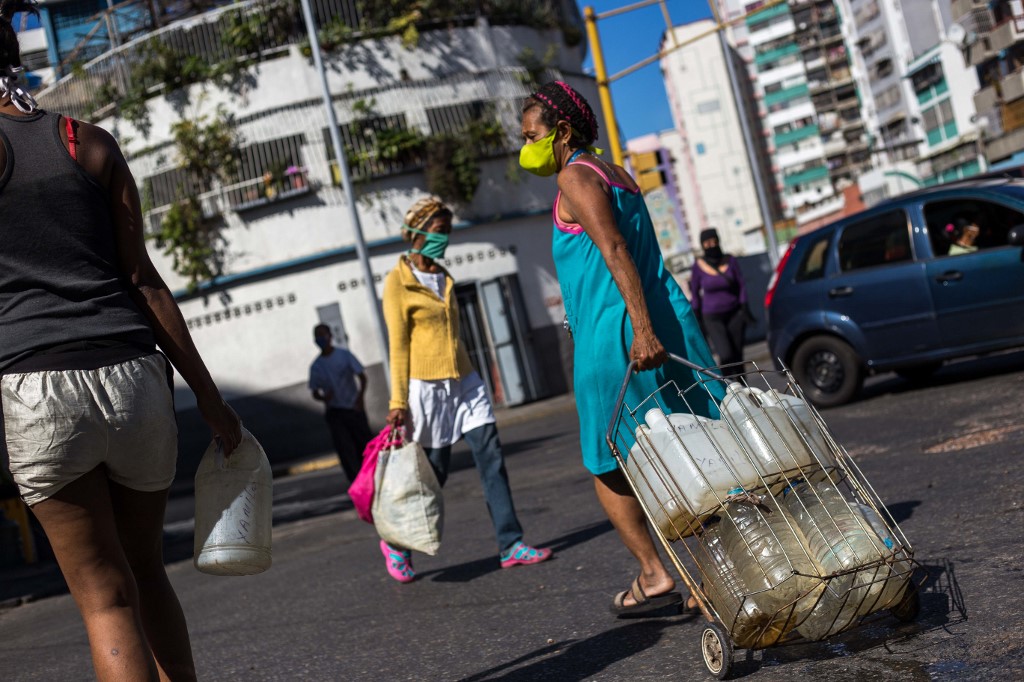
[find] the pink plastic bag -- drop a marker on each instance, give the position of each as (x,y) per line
(361,491)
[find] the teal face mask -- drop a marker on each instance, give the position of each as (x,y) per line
(435,245)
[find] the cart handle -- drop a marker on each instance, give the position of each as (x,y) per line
(630,369)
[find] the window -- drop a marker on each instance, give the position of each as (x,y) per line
(876,241)
(889,97)
(700,149)
(944,219)
(709,107)
(361,139)
(454,119)
(171,186)
(272,156)
(813,264)
(927,77)
(268,171)
(939,123)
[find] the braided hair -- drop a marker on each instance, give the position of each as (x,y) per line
(558,101)
(10,54)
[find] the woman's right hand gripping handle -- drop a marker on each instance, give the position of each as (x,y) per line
(398,418)
(647,351)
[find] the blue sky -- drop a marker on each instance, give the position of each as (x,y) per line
(639,98)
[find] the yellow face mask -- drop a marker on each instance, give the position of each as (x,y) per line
(539,157)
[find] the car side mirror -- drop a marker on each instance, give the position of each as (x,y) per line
(1016,236)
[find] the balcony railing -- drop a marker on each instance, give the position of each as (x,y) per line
(758,18)
(203,47)
(1007,34)
(240,197)
(1012,87)
(425,110)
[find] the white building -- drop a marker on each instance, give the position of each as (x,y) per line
(921,107)
(290,258)
(715,177)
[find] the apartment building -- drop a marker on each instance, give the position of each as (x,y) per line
(993,41)
(920,116)
(712,165)
(801,139)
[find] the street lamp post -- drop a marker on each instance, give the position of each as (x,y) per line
(346,183)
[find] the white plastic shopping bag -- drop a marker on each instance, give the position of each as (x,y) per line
(408,507)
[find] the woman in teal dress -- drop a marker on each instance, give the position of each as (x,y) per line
(622,304)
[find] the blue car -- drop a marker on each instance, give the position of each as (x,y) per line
(903,286)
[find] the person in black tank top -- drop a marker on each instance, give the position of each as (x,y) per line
(82,311)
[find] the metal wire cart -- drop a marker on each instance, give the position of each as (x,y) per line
(770,523)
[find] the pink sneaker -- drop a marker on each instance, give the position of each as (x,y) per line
(398,563)
(522,554)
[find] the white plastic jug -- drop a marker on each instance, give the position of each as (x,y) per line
(684,466)
(233,510)
(766,430)
(801,416)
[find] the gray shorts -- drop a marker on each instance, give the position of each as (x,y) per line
(61,425)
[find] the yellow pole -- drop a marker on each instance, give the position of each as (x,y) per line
(603,89)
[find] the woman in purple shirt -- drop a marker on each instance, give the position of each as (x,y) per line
(719,298)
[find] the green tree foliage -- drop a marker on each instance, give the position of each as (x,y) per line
(208,149)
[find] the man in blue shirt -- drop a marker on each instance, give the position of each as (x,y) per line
(338,380)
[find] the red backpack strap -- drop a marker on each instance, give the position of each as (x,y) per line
(72,140)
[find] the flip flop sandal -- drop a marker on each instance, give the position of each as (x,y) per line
(644,604)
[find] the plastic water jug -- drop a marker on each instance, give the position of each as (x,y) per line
(766,430)
(684,467)
(839,539)
(902,568)
(233,510)
(803,419)
(751,618)
(771,557)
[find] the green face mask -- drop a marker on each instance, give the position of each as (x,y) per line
(435,245)
(539,157)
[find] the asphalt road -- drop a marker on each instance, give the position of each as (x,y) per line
(945,457)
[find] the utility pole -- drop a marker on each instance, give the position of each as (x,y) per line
(346,184)
(603,87)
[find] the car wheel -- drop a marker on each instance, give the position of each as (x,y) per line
(918,372)
(828,370)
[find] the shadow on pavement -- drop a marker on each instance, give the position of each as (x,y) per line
(579,659)
(942,606)
(471,570)
(901,511)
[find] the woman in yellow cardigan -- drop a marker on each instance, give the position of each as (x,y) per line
(435,392)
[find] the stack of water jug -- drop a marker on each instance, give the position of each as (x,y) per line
(773,529)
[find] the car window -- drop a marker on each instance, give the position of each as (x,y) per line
(960,226)
(813,264)
(878,240)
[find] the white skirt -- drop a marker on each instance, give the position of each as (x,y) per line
(442,411)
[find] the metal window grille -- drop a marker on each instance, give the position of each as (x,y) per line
(272,156)
(366,150)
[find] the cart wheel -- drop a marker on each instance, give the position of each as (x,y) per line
(716,647)
(908,608)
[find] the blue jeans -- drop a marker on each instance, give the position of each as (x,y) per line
(491,465)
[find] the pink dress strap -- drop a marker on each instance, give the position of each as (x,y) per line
(576,228)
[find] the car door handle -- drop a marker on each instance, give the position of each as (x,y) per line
(950,276)
(839,292)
